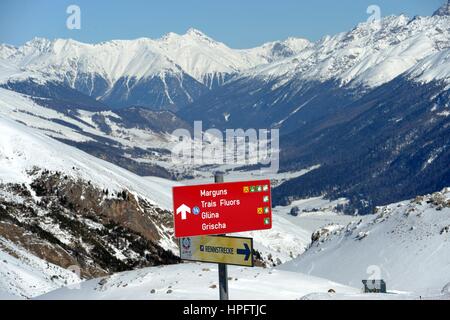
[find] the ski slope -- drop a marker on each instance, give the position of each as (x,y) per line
(406,244)
(23,275)
(198,282)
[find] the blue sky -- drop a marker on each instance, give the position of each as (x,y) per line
(239,24)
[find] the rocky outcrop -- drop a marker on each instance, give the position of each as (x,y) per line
(72,223)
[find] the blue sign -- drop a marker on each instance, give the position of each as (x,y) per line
(196,210)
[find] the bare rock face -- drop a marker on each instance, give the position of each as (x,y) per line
(72,223)
(322,233)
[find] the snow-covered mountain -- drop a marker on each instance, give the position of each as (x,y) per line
(444,10)
(63,206)
(315,91)
(137,139)
(370,105)
(211,62)
(176,70)
(370,55)
(171,71)
(72,209)
(349,64)
(405,243)
(434,68)
(23,150)
(194,53)
(23,275)
(367,110)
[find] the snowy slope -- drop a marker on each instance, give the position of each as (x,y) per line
(277,50)
(407,244)
(436,67)
(8,70)
(60,58)
(176,70)
(8,296)
(22,149)
(193,53)
(24,275)
(199,281)
(377,296)
(370,55)
(77,127)
(444,10)
(204,58)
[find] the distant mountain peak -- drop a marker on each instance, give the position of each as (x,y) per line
(444,10)
(196,32)
(198,35)
(191,33)
(36,41)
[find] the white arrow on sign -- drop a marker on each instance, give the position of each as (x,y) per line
(183,209)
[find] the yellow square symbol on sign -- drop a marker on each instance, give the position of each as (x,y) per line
(260,211)
(246,189)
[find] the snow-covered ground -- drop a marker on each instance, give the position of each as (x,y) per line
(233,174)
(55,124)
(375,296)
(290,236)
(25,275)
(23,149)
(200,281)
(406,244)
(314,213)
(8,296)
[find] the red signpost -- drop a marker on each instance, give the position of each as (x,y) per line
(222,208)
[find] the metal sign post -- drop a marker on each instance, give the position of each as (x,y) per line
(221,208)
(223,270)
(203,214)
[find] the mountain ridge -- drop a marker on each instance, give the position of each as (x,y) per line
(444,10)
(168,72)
